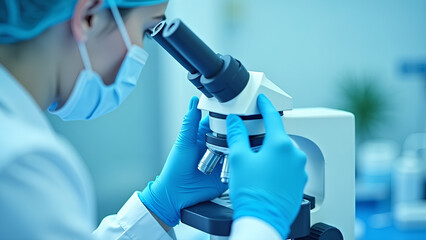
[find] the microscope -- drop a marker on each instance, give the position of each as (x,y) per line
(325,135)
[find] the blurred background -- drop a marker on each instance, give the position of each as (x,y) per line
(367,57)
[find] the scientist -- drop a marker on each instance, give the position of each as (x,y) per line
(79,59)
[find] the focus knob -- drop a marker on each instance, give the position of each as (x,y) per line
(322,231)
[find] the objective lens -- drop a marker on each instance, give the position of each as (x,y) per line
(209,161)
(224,175)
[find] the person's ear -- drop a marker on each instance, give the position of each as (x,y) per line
(84,17)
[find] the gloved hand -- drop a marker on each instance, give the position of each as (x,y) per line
(267,184)
(180,183)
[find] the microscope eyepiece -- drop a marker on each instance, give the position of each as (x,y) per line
(207,62)
(157,35)
(222,77)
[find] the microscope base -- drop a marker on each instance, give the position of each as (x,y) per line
(216,219)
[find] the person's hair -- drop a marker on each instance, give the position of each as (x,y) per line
(25,19)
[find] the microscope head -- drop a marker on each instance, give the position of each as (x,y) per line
(222,79)
(227,87)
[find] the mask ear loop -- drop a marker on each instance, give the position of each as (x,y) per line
(120,23)
(84,55)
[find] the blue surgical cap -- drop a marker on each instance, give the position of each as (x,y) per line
(25,19)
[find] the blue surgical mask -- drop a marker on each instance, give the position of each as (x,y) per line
(91,98)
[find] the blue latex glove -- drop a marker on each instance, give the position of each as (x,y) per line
(267,184)
(180,183)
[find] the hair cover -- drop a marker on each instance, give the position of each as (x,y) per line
(25,19)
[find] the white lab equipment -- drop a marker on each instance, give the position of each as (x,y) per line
(374,164)
(407,182)
(408,185)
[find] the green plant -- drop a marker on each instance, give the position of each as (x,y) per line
(367,100)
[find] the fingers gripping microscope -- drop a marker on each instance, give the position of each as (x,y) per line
(325,135)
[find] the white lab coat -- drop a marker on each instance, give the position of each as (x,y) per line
(45,189)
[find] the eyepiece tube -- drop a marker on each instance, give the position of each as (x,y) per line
(157,35)
(192,48)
